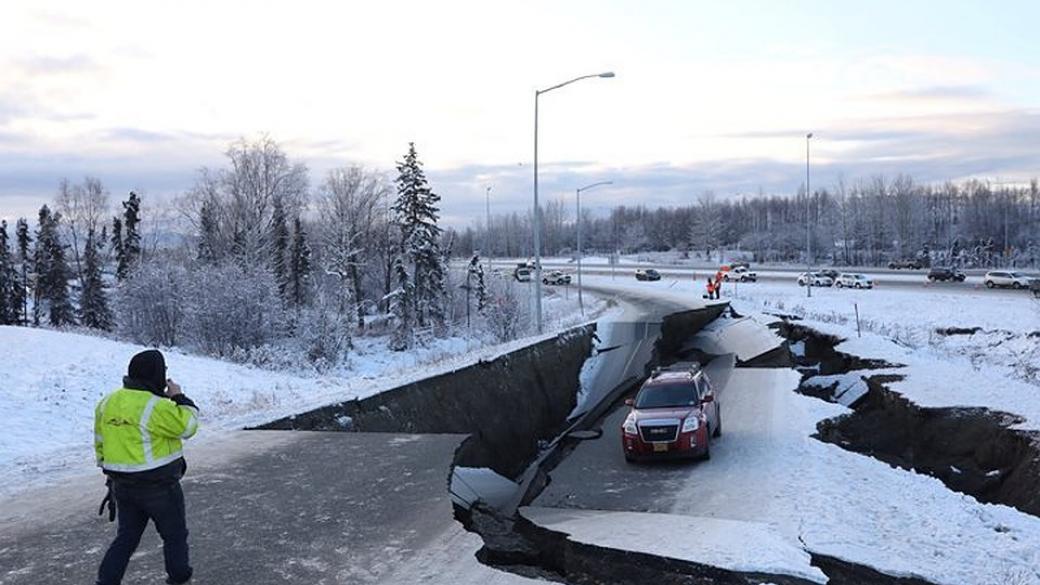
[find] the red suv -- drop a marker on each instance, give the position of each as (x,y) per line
(674,414)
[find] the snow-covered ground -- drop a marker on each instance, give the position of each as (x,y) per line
(50,382)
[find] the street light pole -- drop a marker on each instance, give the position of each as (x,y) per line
(537,210)
(808,237)
(577,200)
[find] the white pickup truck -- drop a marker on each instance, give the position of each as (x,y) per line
(739,274)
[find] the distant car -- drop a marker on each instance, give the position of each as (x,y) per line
(740,274)
(1034,285)
(814,279)
(648,274)
(556,277)
(853,280)
(912,264)
(523,274)
(943,274)
(740,264)
(830,273)
(1005,279)
(674,415)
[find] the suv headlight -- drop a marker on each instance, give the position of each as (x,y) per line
(692,423)
(630,425)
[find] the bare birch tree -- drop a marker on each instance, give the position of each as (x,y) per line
(349,204)
(84,209)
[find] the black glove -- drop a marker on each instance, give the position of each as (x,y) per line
(110,502)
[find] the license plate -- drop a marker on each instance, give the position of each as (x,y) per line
(660,447)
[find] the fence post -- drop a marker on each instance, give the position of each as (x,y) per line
(859,333)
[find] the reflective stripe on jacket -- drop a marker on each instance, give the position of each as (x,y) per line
(135,430)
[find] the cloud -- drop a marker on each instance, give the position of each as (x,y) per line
(57,65)
(966,92)
(931,149)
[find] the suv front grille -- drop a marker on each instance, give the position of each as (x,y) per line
(659,433)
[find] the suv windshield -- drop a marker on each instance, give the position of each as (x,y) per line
(667,395)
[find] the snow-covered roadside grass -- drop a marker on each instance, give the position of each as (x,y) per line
(996,368)
(51,380)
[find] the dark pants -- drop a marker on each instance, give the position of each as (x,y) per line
(135,506)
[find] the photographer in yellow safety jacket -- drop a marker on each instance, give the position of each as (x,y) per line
(138,431)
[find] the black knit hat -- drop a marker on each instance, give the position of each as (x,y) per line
(149,368)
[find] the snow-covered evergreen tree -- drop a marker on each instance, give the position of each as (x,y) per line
(9,282)
(93,302)
(53,272)
(280,248)
(299,264)
(23,239)
(476,270)
(129,251)
(116,239)
(417,214)
(208,237)
(402,307)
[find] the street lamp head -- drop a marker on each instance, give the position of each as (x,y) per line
(809,135)
(607,74)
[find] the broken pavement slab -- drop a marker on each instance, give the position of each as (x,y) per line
(714,541)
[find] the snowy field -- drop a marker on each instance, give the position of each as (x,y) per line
(52,380)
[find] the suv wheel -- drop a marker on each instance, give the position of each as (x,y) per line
(858,285)
(1016,285)
(989,284)
(718,425)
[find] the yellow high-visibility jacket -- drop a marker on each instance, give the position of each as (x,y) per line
(135,430)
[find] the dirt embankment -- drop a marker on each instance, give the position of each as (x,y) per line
(506,405)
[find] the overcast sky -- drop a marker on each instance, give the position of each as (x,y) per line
(708,95)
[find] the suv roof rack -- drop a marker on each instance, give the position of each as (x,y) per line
(691,368)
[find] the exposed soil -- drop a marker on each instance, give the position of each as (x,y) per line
(971,450)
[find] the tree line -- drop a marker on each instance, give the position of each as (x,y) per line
(868,222)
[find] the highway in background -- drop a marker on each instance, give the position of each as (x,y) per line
(883,278)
